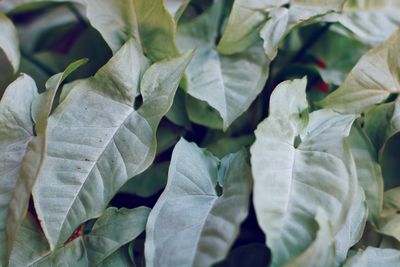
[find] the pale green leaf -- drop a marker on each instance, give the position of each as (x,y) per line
(298,166)
(9,42)
(283,20)
(30,244)
(33,158)
(389,223)
(372,21)
(245,21)
(16,132)
(190,220)
(371,81)
(374,257)
(86,165)
(115,228)
(368,170)
(148,22)
(53,82)
(149,182)
(376,123)
(321,252)
(119,258)
(229,84)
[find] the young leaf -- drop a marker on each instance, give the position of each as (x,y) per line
(371,81)
(9,42)
(86,165)
(289,159)
(221,80)
(148,22)
(16,132)
(190,220)
(245,21)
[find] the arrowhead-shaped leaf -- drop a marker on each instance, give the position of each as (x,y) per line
(148,22)
(371,21)
(190,220)
(35,153)
(16,132)
(298,165)
(107,141)
(371,81)
(220,80)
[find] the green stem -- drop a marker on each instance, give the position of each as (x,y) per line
(37,63)
(77,14)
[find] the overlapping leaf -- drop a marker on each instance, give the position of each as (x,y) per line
(30,166)
(229,84)
(16,132)
(372,257)
(111,231)
(86,165)
(371,81)
(299,164)
(148,22)
(205,236)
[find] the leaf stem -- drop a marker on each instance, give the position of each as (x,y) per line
(77,14)
(37,63)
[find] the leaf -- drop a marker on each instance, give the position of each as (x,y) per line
(370,82)
(336,53)
(289,158)
(382,125)
(148,22)
(283,20)
(190,220)
(372,257)
(371,21)
(9,42)
(368,170)
(221,80)
(321,252)
(30,244)
(54,82)
(119,258)
(33,158)
(87,165)
(176,7)
(376,123)
(116,227)
(90,250)
(149,182)
(16,132)
(388,223)
(246,19)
